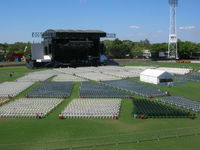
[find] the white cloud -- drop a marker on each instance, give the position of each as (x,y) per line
(134,27)
(187,28)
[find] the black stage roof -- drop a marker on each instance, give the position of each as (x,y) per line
(72,33)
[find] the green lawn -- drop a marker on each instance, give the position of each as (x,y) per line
(185,143)
(51,128)
(16,73)
(162,64)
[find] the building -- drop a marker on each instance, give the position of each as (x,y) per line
(146,54)
(155,76)
(14,57)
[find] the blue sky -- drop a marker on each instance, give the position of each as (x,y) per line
(130,19)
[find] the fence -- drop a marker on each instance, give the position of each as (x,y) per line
(105,142)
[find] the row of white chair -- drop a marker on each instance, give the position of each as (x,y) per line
(67,77)
(92,108)
(38,76)
(11,89)
(97,76)
(29,107)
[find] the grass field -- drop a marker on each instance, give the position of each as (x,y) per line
(162,64)
(16,73)
(51,128)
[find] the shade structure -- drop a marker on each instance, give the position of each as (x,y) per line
(155,76)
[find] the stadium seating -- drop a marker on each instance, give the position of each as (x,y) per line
(194,77)
(178,71)
(67,78)
(146,108)
(92,108)
(182,102)
(28,108)
(104,73)
(71,71)
(96,76)
(11,89)
(92,90)
(135,88)
(38,76)
(52,90)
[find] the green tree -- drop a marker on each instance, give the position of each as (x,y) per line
(136,50)
(185,49)
(19,47)
(159,47)
(145,44)
(120,49)
(117,48)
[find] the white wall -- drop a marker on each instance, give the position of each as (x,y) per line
(149,79)
(37,51)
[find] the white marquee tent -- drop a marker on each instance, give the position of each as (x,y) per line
(155,76)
